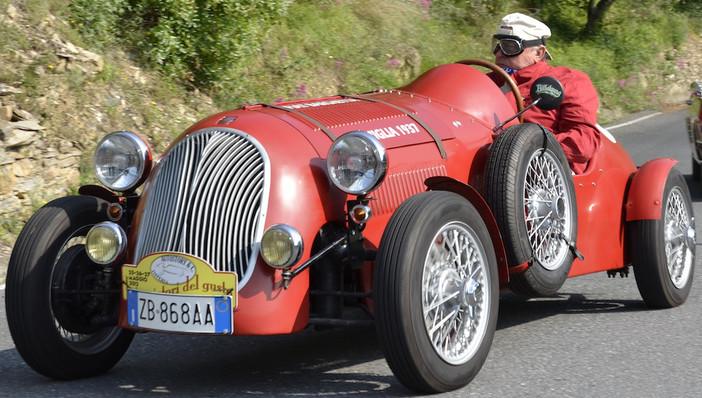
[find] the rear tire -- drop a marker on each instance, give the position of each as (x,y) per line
(663,251)
(435,292)
(51,333)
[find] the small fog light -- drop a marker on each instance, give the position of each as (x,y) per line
(115,211)
(360,214)
(281,246)
(105,243)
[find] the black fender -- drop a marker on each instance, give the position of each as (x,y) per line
(442,183)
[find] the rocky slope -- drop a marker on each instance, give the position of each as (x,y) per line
(59,99)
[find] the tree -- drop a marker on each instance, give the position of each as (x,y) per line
(595,12)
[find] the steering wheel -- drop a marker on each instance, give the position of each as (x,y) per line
(505,77)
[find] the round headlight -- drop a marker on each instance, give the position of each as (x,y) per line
(105,243)
(281,246)
(122,161)
(357,163)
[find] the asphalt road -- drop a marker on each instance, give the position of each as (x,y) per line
(594,339)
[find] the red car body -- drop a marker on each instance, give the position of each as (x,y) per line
(461,106)
(438,132)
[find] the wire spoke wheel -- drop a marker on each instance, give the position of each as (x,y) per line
(679,239)
(455,293)
(530,190)
(545,203)
(435,292)
(662,251)
(67,315)
(60,332)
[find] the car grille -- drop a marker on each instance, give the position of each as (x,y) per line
(208,200)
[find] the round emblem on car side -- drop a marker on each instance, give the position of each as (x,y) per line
(173,270)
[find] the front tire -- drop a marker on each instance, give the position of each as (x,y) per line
(663,251)
(436,292)
(51,333)
(530,190)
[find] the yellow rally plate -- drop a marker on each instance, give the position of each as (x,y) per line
(177,273)
(178,292)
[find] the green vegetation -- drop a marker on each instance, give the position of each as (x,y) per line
(197,41)
(630,54)
(252,51)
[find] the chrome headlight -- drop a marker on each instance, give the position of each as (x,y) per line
(122,161)
(105,243)
(281,246)
(357,163)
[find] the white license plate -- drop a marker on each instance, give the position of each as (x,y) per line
(179,313)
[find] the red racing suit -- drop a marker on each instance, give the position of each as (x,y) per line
(574,122)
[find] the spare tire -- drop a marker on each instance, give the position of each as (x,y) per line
(529,187)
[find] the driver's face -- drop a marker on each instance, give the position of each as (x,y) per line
(529,56)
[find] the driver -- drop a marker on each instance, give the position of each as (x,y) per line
(520,49)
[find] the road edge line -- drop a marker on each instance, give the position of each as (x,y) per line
(642,118)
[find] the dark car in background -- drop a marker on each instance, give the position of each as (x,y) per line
(694,132)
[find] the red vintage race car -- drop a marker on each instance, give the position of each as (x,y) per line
(418,205)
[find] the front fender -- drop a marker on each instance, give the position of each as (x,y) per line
(645,196)
(468,192)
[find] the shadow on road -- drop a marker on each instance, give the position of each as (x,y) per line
(515,310)
(346,362)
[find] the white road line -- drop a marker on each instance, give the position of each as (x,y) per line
(2,287)
(642,118)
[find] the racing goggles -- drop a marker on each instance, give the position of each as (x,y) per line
(512,46)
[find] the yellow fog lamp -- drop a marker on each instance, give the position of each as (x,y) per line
(360,214)
(106,243)
(281,246)
(115,211)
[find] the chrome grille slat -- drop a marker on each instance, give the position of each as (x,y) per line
(182,181)
(207,199)
(247,214)
(209,196)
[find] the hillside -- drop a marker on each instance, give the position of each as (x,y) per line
(67,99)
(58,98)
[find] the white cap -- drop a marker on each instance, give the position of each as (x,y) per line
(524,27)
